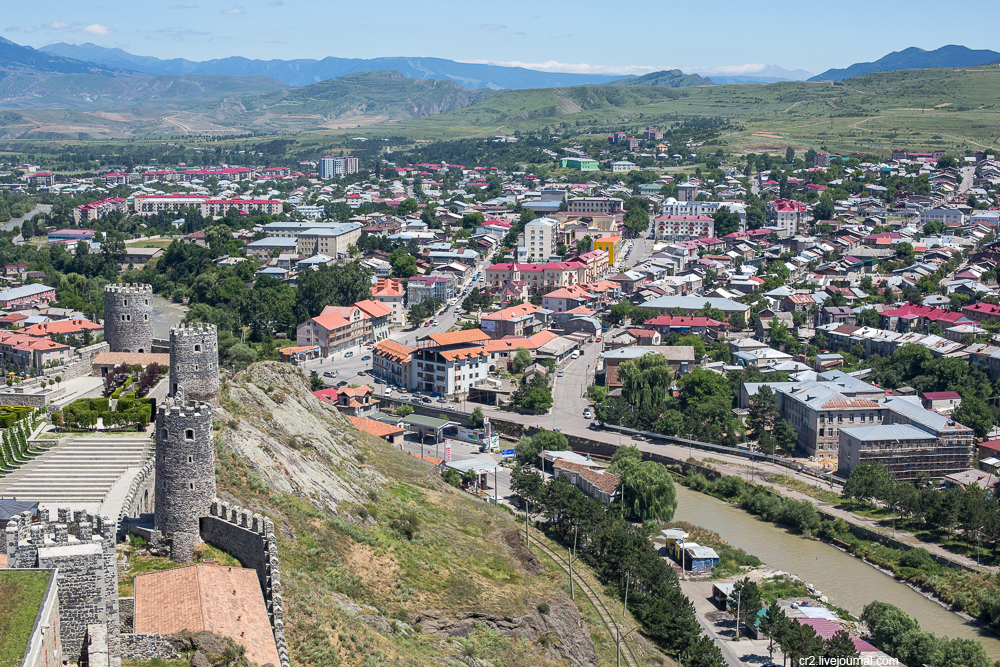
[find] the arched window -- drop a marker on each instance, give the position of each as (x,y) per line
(197,348)
(145,317)
(147,302)
(123,317)
(189,434)
(124,302)
(190,459)
(163,433)
(191,485)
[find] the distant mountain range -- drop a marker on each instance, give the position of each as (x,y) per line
(668,78)
(914,58)
(24,60)
(306,71)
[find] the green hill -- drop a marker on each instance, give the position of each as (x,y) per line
(364,96)
(88,92)
(668,78)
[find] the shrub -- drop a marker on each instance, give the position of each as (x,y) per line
(543,608)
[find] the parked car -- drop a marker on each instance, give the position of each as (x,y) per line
(388,391)
(415,399)
(559,374)
(342,383)
(349,353)
(366,357)
(330,374)
(442,400)
(597,340)
(404,397)
(362,372)
(427,399)
(586,413)
(593,426)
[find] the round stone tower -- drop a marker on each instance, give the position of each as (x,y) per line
(185,473)
(194,362)
(128,317)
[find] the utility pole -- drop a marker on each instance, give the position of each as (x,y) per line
(739,598)
(572,588)
(625,605)
(527,538)
(496,486)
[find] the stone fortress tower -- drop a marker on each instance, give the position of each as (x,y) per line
(185,473)
(194,362)
(128,317)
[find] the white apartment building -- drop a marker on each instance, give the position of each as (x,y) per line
(337,166)
(673,207)
(947,216)
(539,238)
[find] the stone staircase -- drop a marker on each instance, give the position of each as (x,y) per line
(75,472)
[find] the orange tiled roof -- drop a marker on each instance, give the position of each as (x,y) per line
(513,311)
(374,308)
(452,355)
(376,428)
(356,392)
(61,327)
(387,287)
(455,337)
(607,482)
(224,600)
(393,351)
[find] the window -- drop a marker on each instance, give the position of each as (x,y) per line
(189,434)
(145,317)
(191,486)
(124,302)
(190,459)
(163,433)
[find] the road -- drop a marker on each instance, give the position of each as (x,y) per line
(641,251)
(498,485)
(968,174)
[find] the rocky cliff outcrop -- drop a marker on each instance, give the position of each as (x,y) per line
(292,440)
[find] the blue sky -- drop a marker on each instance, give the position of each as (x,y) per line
(629,37)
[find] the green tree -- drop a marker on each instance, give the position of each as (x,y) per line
(527,448)
(586,244)
(646,380)
(476,417)
(975,414)
(785,437)
(647,491)
(745,602)
(869,318)
(824,208)
(775,624)
(905,253)
(625,457)
(840,646)
(403,410)
(868,480)
(522,359)
(407,206)
(726,221)
(763,413)
(340,285)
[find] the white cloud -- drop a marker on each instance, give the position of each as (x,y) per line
(30,29)
(183,7)
(12,28)
(59,25)
(234,11)
(567,68)
(98,29)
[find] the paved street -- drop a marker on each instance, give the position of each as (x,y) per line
(462,451)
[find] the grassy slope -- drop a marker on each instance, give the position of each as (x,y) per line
(21,594)
(454,563)
(870,112)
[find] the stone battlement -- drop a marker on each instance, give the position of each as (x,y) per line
(138,289)
(82,547)
(250,538)
(194,328)
(174,407)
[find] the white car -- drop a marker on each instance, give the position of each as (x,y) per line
(388,391)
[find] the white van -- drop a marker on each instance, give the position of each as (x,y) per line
(576,354)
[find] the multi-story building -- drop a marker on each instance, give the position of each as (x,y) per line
(450,363)
(518,321)
(673,207)
(683,227)
(687,191)
(336,328)
(419,288)
(579,163)
(947,216)
(652,135)
(391,363)
(391,293)
(786,216)
(26,295)
(567,298)
(606,205)
(620,166)
(597,264)
(912,440)
(378,322)
(818,411)
(337,166)
(610,245)
(153,204)
(539,237)
(99,209)
(331,240)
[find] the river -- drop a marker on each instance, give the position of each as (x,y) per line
(16,222)
(166,314)
(847,581)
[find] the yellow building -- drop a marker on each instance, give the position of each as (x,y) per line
(610,245)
